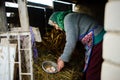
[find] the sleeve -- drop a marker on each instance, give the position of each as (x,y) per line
(71,39)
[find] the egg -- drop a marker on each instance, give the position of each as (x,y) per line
(50,69)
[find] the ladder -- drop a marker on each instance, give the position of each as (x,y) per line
(24,21)
(28,49)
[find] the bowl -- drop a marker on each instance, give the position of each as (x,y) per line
(49,67)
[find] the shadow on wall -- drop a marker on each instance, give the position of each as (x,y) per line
(96,10)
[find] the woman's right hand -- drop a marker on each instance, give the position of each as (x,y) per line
(60,63)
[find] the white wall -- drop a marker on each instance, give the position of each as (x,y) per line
(111,42)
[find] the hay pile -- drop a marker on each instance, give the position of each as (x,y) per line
(50,49)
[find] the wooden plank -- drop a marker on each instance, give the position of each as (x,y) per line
(37,34)
(3,20)
(6,69)
(23,13)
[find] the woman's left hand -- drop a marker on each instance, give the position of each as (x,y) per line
(60,63)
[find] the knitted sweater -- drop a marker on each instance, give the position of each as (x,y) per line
(75,25)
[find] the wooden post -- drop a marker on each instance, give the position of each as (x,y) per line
(3,20)
(23,14)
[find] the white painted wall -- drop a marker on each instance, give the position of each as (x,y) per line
(111,42)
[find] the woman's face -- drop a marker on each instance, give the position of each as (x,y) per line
(55,25)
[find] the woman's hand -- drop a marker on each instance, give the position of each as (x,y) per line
(60,63)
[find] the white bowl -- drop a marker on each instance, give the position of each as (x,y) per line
(49,67)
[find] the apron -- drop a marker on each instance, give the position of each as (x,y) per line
(88,41)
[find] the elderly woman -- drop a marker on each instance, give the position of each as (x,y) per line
(80,27)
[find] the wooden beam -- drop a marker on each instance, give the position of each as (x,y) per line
(23,14)
(3,19)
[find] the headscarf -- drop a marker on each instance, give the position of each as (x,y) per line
(58,18)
